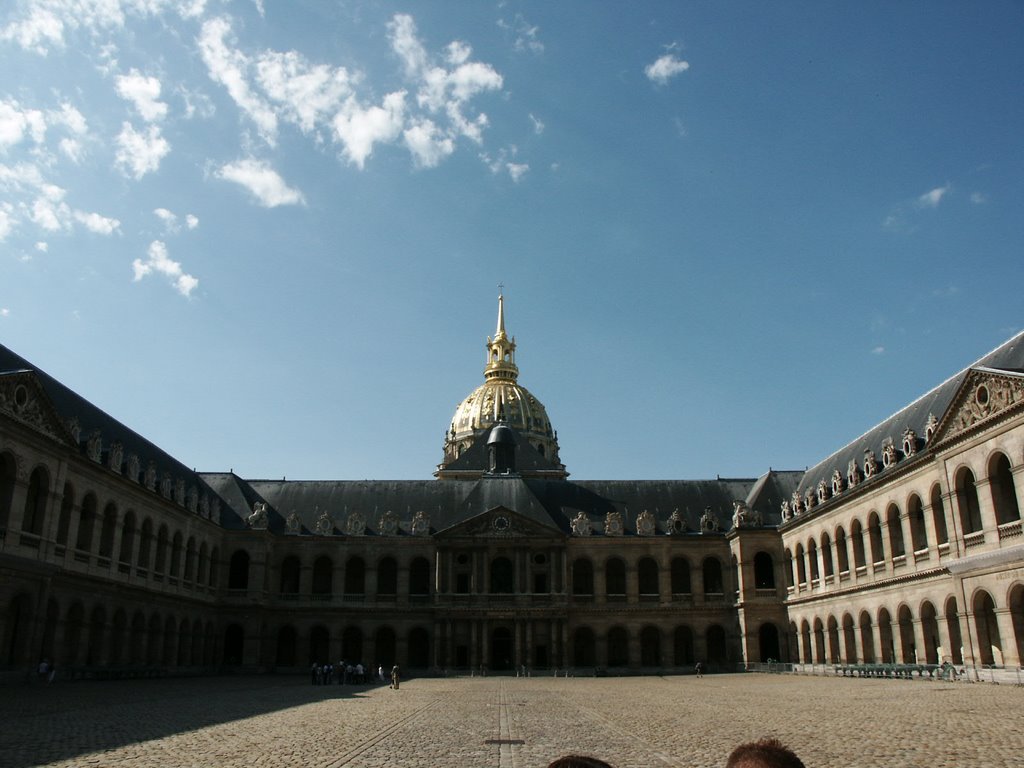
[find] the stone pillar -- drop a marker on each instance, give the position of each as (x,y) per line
(983,487)
(485,640)
(601,649)
(929,530)
(850,655)
(474,650)
(403,582)
(1018,485)
(664,582)
(908,536)
(1007,638)
(920,642)
(476,582)
(600,585)
(632,584)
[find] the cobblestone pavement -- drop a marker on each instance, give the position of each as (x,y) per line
(508,722)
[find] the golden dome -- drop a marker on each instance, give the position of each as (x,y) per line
(501,399)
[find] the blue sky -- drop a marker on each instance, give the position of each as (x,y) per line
(733,236)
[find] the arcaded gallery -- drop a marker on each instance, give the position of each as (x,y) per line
(903,546)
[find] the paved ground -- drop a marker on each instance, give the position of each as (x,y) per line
(631,722)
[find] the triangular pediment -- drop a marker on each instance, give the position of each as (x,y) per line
(23,399)
(985,395)
(499,523)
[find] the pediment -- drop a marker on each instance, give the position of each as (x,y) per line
(984,396)
(499,523)
(23,399)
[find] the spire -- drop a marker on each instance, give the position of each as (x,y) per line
(501,350)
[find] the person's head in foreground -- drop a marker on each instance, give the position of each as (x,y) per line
(578,761)
(766,753)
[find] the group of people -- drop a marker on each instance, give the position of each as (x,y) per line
(344,673)
(765,753)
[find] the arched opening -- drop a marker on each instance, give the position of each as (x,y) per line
(35,502)
(718,652)
(768,643)
(355,577)
(419,648)
(107,530)
(615,578)
(918,531)
(502,576)
(287,642)
(842,558)
(419,577)
(956,643)
(124,557)
(875,539)
(618,647)
(384,647)
(190,559)
(67,504)
(712,568)
(319,645)
(1004,497)
(939,516)
(145,546)
(680,576)
(387,578)
(990,645)
(352,644)
(650,647)
(895,526)
(857,539)
(582,577)
(849,640)
(908,645)
(826,555)
(812,557)
(930,630)
(86,521)
(238,570)
(289,576)
(819,642)
(885,637)
(234,645)
(8,475)
(323,576)
(801,565)
(682,646)
(790,573)
(867,638)
(967,501)
(17,628)
(583,647)
(502,652)
(1016,603)
(833,640)
(160,566)
(647,578)
(176,548)
(764,572)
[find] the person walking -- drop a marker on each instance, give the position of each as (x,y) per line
(395,677)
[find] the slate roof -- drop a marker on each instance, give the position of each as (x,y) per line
(1009,356)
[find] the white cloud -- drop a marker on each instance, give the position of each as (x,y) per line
(169,219)
(525,34)
(516,170)
(17,123)
(6,222)
(405,43)
(144,94)
(308,93)
(42,246)
(538,125)
(932,198)
(139,153)
(100,225)
(158,261)
(40,30)
(501,163)
(262,181)
(979,198)
(428,145)
(5,312)
(879,350)
(228,67)
(191,221)
(665,68)
(359,129)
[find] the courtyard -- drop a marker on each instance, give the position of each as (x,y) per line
(508,722)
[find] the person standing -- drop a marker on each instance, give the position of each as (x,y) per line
(395,677)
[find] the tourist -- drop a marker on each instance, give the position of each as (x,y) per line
(394,677)
(578,761)
(699,669)
(766,753)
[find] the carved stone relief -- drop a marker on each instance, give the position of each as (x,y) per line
(355,525)
(420,524)
(388,524)
(613,523)
(116,458)
(645,523)
(676,522)
(581,524)
(259,520)
(324,525)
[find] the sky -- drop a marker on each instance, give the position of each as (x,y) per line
(268,235)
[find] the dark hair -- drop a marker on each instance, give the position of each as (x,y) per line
(766,753)
(578,761)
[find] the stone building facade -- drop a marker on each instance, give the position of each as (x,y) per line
(903,545)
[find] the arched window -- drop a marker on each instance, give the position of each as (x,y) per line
(967,501)
(875,538)
(419,577)
(124,557)
(812,557)
(502,576)
(713,585)
(289,577)
(650,647)
(323,576)
(238,570)
(67,504)
(842,556)
(107,530)
(1004,497)
(764,571)
(682,643)
(355,576)
(680,576)
(939,516)
(176,555)
(618,647)
(801,565)
(387,577)
(145,544)
(918,530)
(582,577)
(8,475)
(988,627)
(826,554)
(647,577)
(790,573)
(160,566)
(86,521)
(615,577)
(583,653)
(857,539)
(35,502)
(190,559)
(895,526)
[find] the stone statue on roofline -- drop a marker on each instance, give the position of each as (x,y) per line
(259,519)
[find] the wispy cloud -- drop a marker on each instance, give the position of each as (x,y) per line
(262,181)
(158,261)
(140,152)
(933,197)
(979,198)
(144,94)
(525,36)
(665,67)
